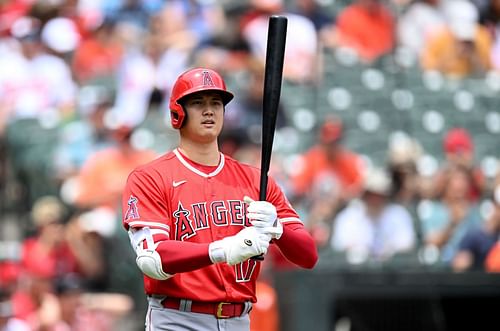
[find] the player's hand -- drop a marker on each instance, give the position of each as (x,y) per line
(235,249)
(264,217)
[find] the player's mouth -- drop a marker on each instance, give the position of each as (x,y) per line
(208,122)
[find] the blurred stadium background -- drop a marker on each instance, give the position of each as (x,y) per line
(387,145)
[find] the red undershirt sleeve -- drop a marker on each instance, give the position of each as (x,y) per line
(298,246)
(180,256)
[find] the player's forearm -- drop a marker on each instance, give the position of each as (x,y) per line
(180,256)
(298,246)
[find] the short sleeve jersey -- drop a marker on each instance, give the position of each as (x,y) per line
(173,197)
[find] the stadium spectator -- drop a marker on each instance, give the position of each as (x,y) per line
(44,257)
(373,226)
(245,116)
(463,47)
(458,148)
(403,156)
(368,27)
(301,44)
(325,178)
(323,23)
(144,74)
(421,20)
(33,81)
(72,308)
(477,243)
(47,253)
(204,19)
(80,138)
(102,178)
(98,55)
(329,161)
(87,236)
(445,222)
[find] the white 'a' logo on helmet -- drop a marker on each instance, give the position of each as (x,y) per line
(207,78)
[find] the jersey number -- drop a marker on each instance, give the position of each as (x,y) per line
(244,270)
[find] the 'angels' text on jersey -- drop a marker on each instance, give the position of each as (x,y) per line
(188,220)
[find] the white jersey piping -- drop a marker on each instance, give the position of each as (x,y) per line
(196,171)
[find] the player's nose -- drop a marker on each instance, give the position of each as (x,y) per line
(208,110)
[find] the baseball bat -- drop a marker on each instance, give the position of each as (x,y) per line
(276,38)
(275,53)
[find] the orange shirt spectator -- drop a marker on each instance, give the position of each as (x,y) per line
(326,177)
(330,157)
(102,178)
(448,55)
(463,47)
(347,168)
(367,27)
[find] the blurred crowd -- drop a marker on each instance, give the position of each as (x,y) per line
(84,88)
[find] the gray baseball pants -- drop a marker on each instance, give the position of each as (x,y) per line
(159,318)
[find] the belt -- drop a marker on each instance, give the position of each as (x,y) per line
(220,310)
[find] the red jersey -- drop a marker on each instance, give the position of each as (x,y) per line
(172,195)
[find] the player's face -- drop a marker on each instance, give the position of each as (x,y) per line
(205,117)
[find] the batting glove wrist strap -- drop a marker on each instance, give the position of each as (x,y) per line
(216,252)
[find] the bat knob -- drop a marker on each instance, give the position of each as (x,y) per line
(258,257)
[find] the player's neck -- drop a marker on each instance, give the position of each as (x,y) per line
(206,154)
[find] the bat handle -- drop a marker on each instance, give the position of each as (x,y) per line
(261,256)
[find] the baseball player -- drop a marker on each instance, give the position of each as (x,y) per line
(194,224)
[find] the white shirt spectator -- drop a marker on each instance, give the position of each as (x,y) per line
(30,87)
(419,22)
(391,233)
(139,75)
(300,48)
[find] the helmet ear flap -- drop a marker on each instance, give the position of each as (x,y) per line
(177,115)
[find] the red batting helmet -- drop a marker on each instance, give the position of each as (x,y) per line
(192,81)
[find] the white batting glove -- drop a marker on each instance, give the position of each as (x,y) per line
(264,217)
(240,247)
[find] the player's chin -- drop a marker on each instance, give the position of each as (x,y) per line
(208,134)
(210,129)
